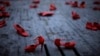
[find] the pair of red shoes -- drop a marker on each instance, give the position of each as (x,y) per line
(4,14)
(96,8)
(35,4)
(75,16)
(6,3)
(2,23)
(69,45)
(46,13)
(96,2)
(32,48)
(93,26)
(75,4)
(20,30)
(52,7)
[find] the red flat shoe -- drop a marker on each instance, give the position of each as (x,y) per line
(6,14)
(75,4)
(21,31)
(2,23)
(34,6)
(96,8)
(36,1)
(30,48)
(69,45)
(96,2)
(82,5)
(52,7)
(75,16)
(2,8)
(46,13)
(57,42)
(6,3)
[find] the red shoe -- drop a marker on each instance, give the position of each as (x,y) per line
(69,45)
(36,1)
(20,30)
(6,3)
(57,42)
(1,15)
(91,26)
(52,7)
(2,23)
(2,8)
(46,13)
(34,6)
(75,16)
(30,48)
(40,41)
(82,5)
(96,2)
(1,2)
(68,3)
(6,14)
(96,8)
(75,4)
(96,25)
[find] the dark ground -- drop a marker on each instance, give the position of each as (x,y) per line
(60,25)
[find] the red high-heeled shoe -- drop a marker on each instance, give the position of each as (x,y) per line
(57,42)
(36,1)
(41,41)
(6,3)
(5,14)
(69,45)
(75,16)
(33,6)
(89,25)
(2,8)
(2,23)
(96,8)
(96,26)
(92,26)
(30,48)
(74,4)
(1,15)
(46,13)
(68,3)
(52,7)
(1,2)
(21,31)
(96,2)
(82,5)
